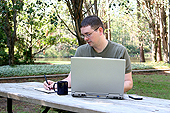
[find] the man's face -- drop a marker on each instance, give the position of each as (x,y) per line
(91,36)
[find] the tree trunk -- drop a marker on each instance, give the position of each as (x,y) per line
(11,53)
(30,48)
(10,43)
(163,33)
(142,58)
(154,51)
(105,14)
(154,44)
(11,37)
(75,9)
(95,7)
(159,53)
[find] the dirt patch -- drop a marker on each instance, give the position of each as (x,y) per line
(30,80)
(19,107)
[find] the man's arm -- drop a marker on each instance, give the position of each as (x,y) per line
(68,79)
(128,82)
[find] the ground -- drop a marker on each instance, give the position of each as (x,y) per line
(21,107)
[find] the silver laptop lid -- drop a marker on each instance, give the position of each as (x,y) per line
(98,76)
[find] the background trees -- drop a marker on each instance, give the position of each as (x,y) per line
(9,11)
(30,27)
(155,12)
(36,30)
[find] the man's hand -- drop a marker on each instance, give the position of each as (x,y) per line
(50,86)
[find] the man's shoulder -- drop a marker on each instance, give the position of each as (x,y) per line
(83,50)
(83,46)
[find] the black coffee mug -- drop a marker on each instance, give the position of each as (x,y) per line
(62,87)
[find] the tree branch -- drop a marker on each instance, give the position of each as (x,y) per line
(70,10)
(64,22)
(40,50)
(88,8)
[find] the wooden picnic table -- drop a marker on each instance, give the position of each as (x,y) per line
(26,92)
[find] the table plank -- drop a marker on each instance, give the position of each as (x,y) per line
(25,92)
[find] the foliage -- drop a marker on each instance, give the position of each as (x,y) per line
(9,11)
(26,70)
(66,48)
(141,66)
(140,23)
(155,12)
(46,23)
(133,49)
(150,65)
(75,8)
(36,30)
(124,27)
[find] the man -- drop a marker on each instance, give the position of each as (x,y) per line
(92,31)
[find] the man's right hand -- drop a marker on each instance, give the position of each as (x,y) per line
(50,86)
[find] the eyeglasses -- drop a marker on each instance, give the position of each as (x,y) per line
(88,35)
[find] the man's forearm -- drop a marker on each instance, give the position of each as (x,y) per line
(68,79)
(128,82)
(127,85)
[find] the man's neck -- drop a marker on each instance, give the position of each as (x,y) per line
(102,46)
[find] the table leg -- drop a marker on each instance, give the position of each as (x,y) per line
(9,105)
(46,110)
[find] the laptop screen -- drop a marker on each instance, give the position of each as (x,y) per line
(97,75)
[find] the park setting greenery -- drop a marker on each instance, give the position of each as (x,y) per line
(61,67)
(33,30)
(37,28)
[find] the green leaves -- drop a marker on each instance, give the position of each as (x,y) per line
(38,26)
(122,4)
(27,70)
(30,10)
(54,19)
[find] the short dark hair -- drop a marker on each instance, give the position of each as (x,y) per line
(94,21)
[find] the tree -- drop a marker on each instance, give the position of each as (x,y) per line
(36,29)
(142,58)
(9,11)
(75,9)
(3,45)
(78,9)
(154,11)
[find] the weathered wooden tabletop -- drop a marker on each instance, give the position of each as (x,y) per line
(26,92)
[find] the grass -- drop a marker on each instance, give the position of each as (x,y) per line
(157,86)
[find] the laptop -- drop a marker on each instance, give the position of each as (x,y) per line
(97,77)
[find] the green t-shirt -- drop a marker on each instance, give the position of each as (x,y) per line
(112,50)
